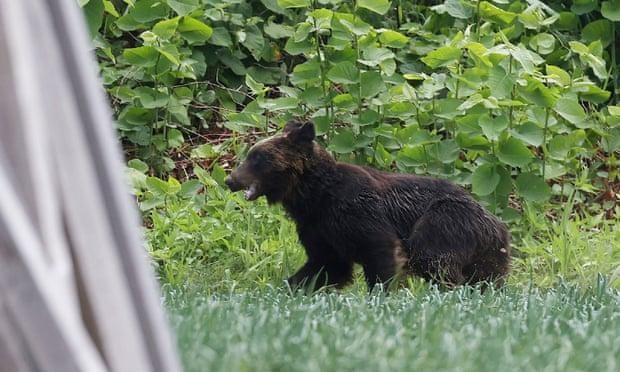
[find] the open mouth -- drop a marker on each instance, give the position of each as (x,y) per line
(251,193)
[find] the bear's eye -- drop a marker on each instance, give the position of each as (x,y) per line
(257,158)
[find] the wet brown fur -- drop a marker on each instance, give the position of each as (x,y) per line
(348,214)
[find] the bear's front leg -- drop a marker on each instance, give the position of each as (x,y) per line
(317,274)
(382,260)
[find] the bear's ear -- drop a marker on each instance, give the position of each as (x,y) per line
(297,131)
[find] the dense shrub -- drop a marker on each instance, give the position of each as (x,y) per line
(514,99)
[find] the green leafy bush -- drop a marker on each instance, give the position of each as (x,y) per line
(516,100)
(511,98)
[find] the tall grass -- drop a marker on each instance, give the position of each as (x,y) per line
(221,241)
(561,329)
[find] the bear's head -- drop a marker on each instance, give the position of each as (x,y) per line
(274,166)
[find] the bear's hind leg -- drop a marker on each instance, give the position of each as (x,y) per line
(443,240)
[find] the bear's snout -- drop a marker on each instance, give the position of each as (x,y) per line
(232,184)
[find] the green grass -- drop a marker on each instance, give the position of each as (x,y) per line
(560,329)
(223,261)
(224,242)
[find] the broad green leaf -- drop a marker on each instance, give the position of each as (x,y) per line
(277,30)
(344,101)
(322,124)
(183,7)
(190,188)
(203,151)
(367,117)
(411,156)
(294,48)
(371,84)
(479,53)
(275,7)
(132,116)
(382,156)
(254,41)
(193,30)
(570,109)
(596,63)
(442,56)
(567,21)
(422,137)
(448,108)
(505,183)
(159,187)
(598,30)
(580,7)
(393,39)
(306,73)
(538,94)
(256,87)
(344,73)
(353,24)
(611,140)
(110,9)
(343,142)
(302,31)
(178,111)
(543,43)
(611,10)
(221,37)
(149,10)
(513,152)
(138,165)
(470,102)
(490,12)
(374,56)
(492,127)
(560,76)
(614,110)
(167,28)
(93,12)
(484,180)
(128,23)
(151,98)
(279,104)
(377,6)
(589,91)
(151,203)
(183,94)
(578,47)
(555,169)
(447,151)
(473,142)
(456,8)
(294,3)
(175,138)
(561,144)
(529,133)
(399,109)
(532,187)
(170,52)
(144,56)
(500,82)
(528,59)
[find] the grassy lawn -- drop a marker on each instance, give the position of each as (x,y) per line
(556,313)
(560,329)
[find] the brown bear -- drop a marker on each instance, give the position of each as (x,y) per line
(386,222)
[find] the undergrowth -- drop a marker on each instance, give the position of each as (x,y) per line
(216,238)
